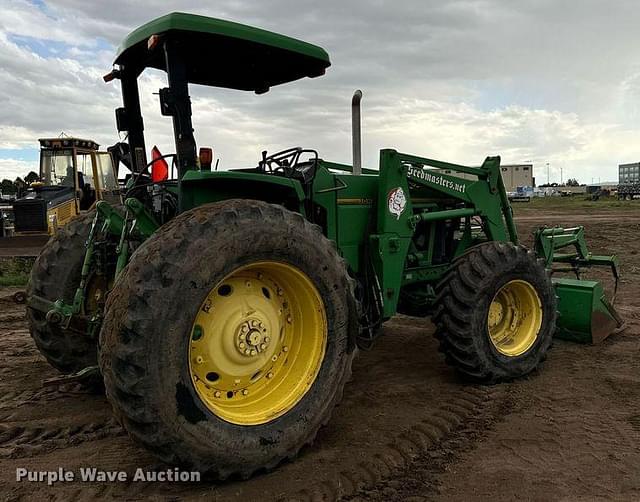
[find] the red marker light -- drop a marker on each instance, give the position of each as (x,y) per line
(159,166)
(206,157)
(152,41)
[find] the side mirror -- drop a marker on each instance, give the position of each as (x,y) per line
(122,119)
(167,102)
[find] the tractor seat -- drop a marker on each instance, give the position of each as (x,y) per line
(304,171)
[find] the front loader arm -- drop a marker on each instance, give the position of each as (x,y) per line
(450,197)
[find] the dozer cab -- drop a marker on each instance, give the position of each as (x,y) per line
(74,174)
(222,309)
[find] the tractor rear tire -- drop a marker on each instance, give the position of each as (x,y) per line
(55,275)
(495,312)
(188,288)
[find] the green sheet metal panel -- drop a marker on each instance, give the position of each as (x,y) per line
(225,54)
(202,187)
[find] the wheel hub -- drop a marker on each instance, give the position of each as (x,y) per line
(252,338)
(496,313)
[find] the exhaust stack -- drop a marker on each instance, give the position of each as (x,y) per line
(355,132)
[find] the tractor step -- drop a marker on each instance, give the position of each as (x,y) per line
(585,314)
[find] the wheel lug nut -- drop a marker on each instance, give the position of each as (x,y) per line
(263,346)
(266,339)
(245,392)
(285,349)
(260,325)
(247,351)
(253,352)
(289,319)
(254,323)
(217,394)
(280,292)
(242,345)
(245,329)
(270,375)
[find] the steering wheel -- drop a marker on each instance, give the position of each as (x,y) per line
(284,161)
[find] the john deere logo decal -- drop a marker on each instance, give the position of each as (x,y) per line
(397,202)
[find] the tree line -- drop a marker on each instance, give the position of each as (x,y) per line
(19,186)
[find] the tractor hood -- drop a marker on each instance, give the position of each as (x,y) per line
(222,53)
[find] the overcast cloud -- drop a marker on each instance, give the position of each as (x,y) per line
(530,80)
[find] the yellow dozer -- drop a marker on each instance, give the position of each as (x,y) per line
(74,175)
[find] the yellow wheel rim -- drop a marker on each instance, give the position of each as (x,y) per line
(257,343)
(515,318)
(97,289)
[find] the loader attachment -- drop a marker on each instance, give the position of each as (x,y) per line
(585,315)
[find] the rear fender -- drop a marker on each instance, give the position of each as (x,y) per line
(202,187)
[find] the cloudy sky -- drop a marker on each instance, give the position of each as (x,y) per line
(546,81)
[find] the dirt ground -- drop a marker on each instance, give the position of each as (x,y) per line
(408,427)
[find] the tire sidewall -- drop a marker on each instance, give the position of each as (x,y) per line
(56,275)
(187,282)
(66,269)
(522,267)
(529,358)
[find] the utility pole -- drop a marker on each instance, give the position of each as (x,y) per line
(561,182)
(547,173)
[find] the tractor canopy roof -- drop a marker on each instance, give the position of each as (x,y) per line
(222,53)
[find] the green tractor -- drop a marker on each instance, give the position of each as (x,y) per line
(222,309)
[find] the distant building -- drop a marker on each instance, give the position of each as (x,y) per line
(629,173)
(517,175)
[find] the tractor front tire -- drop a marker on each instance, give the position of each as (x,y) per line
(229,337)
(495,312)
(55,275)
